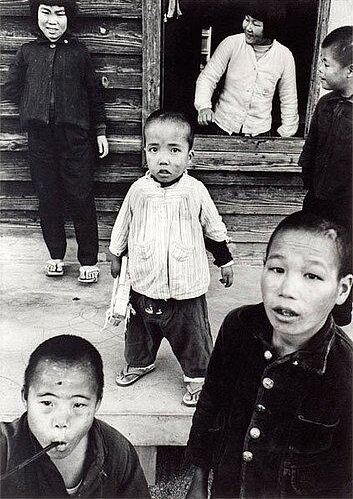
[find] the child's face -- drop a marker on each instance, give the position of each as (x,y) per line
(61,405)
(52,21)
(333,75)
(300,283)
(167,150)
(254,30)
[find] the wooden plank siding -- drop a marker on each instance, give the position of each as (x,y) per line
(254,182)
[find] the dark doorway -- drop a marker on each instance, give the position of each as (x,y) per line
(182,48)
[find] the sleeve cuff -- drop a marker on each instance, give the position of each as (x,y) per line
(101,129)
(227,264)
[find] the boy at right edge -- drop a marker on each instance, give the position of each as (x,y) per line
(326,160)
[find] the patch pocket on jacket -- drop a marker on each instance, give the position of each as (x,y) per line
(143,251)
(180,252)
(313,480)
(311,436)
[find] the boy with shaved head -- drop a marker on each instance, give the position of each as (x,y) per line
(274,418)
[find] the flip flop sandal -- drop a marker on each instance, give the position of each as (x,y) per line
(192,394)
(130,375)
(54,268)
(88,274)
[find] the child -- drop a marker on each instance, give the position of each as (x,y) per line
(161,224)
(63,387)
(253,63)
(52,79)
(326,160)
(274,417)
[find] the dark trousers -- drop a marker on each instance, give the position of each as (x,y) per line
(341,212)
(184,323)
(61,161)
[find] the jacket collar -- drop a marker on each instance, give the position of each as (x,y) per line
(311,357)
(25,445)
(42,39)
(336,96)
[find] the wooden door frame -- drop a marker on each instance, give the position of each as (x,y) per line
(152,57)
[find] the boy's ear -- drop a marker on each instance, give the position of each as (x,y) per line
(98,404)
(24,401)
(345,286)
(191,155)
(350,71)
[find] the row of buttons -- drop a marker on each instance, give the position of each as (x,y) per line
(255,432)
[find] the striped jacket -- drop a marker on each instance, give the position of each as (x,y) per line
(163,229)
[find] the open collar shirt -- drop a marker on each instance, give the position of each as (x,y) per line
(163,229)
(245,102)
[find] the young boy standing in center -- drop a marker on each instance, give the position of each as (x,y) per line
(162,223)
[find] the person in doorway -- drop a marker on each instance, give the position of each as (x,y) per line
(253,63)
(52,80)
(274,418)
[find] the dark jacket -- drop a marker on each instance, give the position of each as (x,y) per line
(112,468)
(275,427)
(61,75)
(326,159)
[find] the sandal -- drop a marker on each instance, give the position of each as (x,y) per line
(54,268)
(130,375)
(88,274)
(192,394)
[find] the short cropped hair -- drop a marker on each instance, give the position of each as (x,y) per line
(70,6)
(340,41)
(175,118)
(321,226)
(69,349)
(271,12)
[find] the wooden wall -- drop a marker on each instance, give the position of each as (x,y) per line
(253,182)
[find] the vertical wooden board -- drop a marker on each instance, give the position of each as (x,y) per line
(314,89)
(151,56)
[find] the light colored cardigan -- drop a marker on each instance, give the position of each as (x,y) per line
(246,99)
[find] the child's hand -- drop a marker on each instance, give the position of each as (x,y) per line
(227,276)
(115,266)
(205,116)
(103,147)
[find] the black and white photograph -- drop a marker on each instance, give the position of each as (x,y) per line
(176,261)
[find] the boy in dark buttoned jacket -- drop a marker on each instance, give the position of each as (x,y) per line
(52,80)
(274,418)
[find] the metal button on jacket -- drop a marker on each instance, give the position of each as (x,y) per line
(268,383)
(52,45)
(247,456)
(255,432)
(260,408)
(267,355)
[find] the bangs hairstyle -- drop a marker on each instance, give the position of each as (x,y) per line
(172,117)
(70,6)
(340,41)
(271,12)
(69,349)
(323,227)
